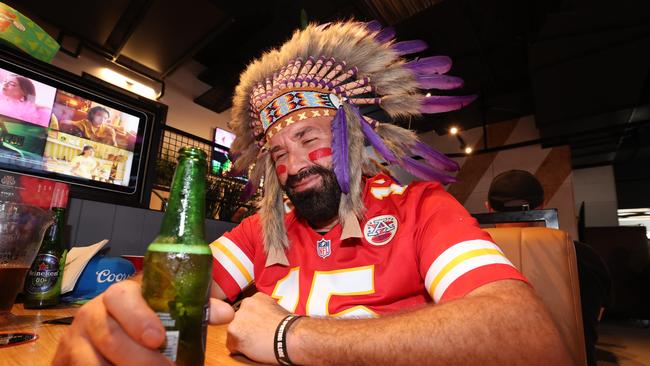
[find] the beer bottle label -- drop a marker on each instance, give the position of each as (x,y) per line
(170,347)
(43,275)
(204,324)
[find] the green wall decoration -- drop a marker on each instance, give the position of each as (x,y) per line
(21,32)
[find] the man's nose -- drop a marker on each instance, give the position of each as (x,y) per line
(296,163)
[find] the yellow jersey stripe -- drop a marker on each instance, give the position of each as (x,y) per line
(465,267)
(233,259)
(454,262)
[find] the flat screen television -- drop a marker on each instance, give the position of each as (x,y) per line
(220,164)
(223,138)
(57,125)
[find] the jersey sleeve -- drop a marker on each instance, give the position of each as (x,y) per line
(233,255)
(456,255)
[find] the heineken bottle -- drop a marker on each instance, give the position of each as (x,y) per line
(43,281)
(178,264)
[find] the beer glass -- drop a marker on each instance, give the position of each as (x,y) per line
(21,231)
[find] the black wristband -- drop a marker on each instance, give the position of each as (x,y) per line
(280,340)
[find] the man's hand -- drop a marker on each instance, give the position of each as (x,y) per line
(253,329)
(118,327)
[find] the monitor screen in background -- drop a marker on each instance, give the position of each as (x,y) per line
(220,164)
(48,130)
(223,137)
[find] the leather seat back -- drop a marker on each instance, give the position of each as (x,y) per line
(547,258)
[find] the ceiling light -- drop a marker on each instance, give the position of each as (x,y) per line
(468,150)
(123,82)
(453,130)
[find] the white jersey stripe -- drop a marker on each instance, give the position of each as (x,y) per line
(452,253)
(235,262)
(237,252)
(230,267)
(464,267)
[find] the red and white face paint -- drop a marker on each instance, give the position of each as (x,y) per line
(320,153)
(301,145)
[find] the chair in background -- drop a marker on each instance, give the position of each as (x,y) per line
(547,258)
(548,216)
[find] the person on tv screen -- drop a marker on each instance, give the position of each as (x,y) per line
(93,127)
(85,165)
(18,100)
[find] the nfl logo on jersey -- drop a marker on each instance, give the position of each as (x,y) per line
(323,248)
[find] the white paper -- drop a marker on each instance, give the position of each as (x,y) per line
(76,261)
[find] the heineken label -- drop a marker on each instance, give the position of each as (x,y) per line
(43,275)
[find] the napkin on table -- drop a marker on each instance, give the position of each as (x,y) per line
(75,263)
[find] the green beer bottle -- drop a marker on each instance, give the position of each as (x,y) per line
(178,264)
(43,282)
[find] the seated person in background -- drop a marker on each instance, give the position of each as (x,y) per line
(94,127)
(519,190)
(418,280)
(85,165)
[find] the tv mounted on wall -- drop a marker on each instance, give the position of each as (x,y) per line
(57,125)
(221,164)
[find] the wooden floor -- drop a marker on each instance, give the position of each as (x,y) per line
(624,343)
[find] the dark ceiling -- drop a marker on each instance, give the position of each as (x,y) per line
(581,66)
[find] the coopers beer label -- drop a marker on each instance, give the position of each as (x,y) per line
(106,275)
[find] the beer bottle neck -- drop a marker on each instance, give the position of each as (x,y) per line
(53,236)
(183,222)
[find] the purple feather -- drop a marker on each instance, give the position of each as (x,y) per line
(430,65)
(373,26)
(409,47)
(340,150)
(374,139)
(386,35)
(443,103)
(434,157)
(424,171)
(249,191)
(441,82)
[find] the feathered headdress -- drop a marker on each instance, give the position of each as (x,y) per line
(331,70)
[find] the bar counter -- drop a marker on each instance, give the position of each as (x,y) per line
(42,350)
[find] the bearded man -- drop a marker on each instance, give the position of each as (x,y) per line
(362,270)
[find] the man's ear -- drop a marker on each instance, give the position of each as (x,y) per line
(488,207)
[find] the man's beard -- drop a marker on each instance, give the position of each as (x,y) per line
(316,205)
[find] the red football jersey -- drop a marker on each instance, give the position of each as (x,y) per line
(419,245)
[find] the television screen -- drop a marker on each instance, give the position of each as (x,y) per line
(54,128)
(223,137)
(221,164)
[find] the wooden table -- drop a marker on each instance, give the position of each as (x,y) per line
(41,351)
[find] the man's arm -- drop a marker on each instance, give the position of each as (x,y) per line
(501,323)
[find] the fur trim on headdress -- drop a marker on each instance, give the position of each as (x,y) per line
(272,209)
